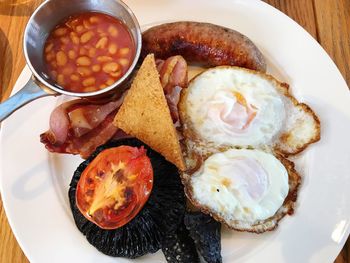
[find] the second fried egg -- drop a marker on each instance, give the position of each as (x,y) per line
(241,185)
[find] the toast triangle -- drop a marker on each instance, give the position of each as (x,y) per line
(145,114)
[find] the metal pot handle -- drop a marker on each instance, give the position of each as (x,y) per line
(28,93)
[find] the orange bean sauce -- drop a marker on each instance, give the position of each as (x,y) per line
(88,52)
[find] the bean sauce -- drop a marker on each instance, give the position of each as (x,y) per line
(88,52)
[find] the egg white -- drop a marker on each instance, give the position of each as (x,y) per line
(226,186)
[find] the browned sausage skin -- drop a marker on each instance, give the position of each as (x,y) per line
(203,43)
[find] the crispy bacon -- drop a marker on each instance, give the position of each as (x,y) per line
(173,76)
(78,127)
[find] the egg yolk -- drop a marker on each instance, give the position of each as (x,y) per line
(232,110)
(247,175)
(241,184)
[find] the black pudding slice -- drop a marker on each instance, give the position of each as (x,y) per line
(205,232)
(178,247)
(162,213)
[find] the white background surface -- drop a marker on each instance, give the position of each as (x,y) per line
(34,183)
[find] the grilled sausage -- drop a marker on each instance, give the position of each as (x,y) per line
(203,43)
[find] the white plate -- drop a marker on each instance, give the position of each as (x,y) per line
(34,183)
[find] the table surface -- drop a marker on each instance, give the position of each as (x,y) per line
(328,21)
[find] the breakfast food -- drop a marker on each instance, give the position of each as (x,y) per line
(146,115)
(237,126)
(79,127)
(88,52)
(198,235)
(172,72)
(162,213)
(234,107)
(204,43)
(248,190)
(179,246)
(162,222)
(206,233)
(115,186)
(173,77)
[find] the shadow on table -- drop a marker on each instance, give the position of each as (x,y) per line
(18,7)
(6,62)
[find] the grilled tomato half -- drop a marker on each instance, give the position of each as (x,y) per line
(115,186)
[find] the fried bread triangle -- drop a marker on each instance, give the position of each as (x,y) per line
(145,114)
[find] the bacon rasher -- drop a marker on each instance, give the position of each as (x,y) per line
(79,126)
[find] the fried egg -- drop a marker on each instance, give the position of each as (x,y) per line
(238,127)
(235,107)
(245,189)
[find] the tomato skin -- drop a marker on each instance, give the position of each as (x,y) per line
(115,186)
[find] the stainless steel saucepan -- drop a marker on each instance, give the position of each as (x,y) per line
(40,24)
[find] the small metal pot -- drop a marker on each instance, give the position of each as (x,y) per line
(39,26)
